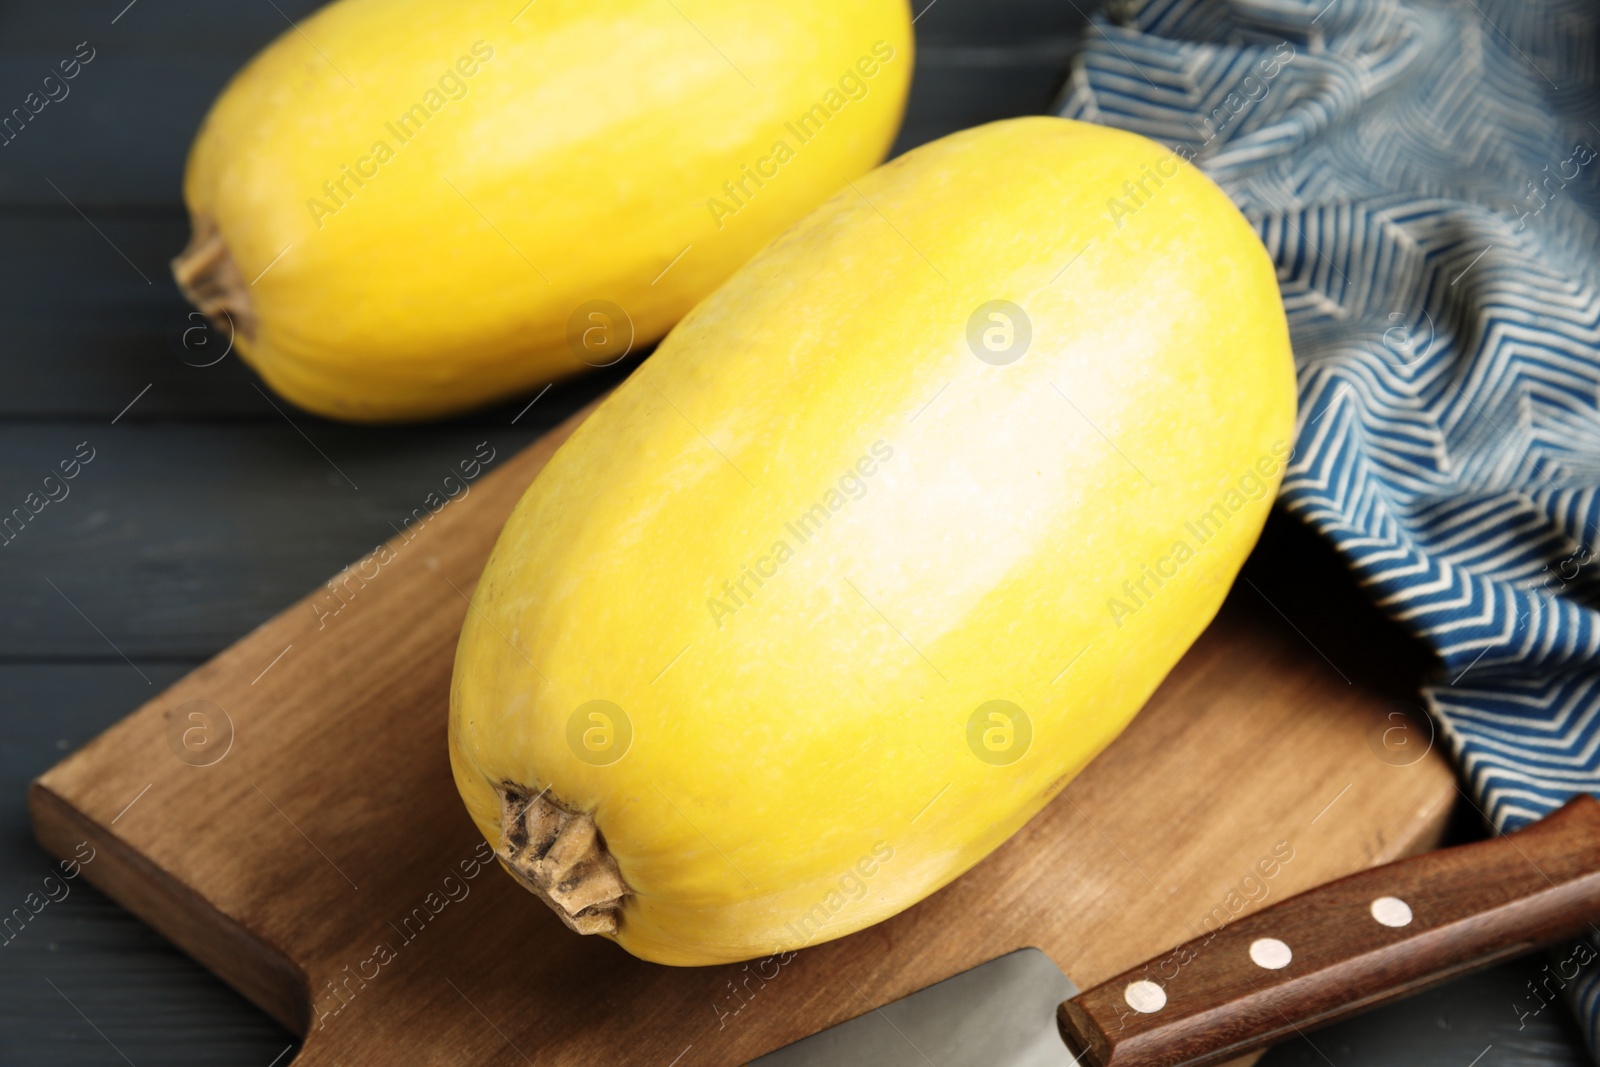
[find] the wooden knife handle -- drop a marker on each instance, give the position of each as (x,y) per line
(1345,947)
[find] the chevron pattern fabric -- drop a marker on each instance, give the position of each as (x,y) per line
(1424,175)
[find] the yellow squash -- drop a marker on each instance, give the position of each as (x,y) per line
(404,208)
(891,536)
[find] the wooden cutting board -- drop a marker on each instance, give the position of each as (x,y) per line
(286,815)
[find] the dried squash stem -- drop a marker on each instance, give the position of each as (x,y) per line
(209,279)
(560,857)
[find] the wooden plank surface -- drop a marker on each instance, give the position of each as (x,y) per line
(174,540)
(291,855)
(149,999)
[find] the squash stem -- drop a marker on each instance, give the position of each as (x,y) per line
(559,856)
(209,279)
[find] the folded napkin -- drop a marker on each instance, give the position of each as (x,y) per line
(1424,175)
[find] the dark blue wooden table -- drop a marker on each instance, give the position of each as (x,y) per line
(204,510)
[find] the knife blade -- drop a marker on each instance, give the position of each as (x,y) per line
(1000,1012)
(1311,959)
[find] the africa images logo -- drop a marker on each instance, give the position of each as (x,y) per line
(1252,486)
(806,126)
(852,485)
(452,85)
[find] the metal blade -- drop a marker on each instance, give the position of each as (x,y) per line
(998,1014)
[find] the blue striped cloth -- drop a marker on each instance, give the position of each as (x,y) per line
(1424,175)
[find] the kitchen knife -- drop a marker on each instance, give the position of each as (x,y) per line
(1306,961)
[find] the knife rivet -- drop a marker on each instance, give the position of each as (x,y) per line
(1391,911)
(1145,997)
(1270,953)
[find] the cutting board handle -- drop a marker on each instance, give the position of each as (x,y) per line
(1348,946)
